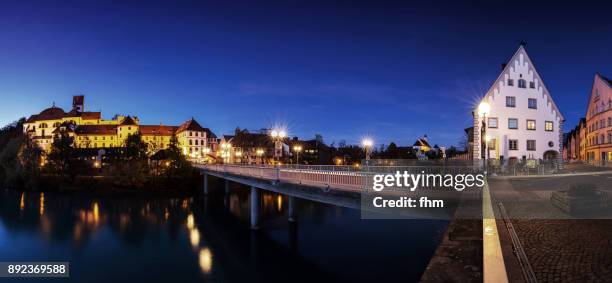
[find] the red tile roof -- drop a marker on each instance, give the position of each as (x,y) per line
(191,125)
(157,130)
(101,130)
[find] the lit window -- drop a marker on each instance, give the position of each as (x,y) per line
(531,125)
(512,123)
(513,144)
(531,145)
(510,101)
(549,126)
(493,123)
(532,103)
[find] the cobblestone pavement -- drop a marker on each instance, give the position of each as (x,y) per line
(568,250)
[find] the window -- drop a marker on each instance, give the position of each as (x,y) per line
(531,125)
(522,83)
(512,123)
(189,142)
(510,82)
(513,144)
(531,84)
(531,145)
(549,126)
(610,122)
(510,101)
(532,103)
(491,144)
(493,123)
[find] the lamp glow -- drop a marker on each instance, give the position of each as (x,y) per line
(484,108)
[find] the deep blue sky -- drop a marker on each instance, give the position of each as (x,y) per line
(392,70)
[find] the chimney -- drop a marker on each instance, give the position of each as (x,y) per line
(78,103)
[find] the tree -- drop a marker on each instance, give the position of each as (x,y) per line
(61,156)
(177,165)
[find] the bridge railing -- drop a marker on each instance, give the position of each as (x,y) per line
(343,177)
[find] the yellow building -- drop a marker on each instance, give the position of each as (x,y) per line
(91,131)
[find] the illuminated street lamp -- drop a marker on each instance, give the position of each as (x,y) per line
(483,109)
(278,135)
(260,153)
(297,149)
(225,152)
(367,144)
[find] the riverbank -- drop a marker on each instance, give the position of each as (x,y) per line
(109,184)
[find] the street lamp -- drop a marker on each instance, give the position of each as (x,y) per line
(260,153)
(367,146)
(278,135)
(297,149)
(483,109)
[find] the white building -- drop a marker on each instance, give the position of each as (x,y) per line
(523,121)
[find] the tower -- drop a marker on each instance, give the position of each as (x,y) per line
(78,103)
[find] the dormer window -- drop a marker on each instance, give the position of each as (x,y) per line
(510,82)
(522,83)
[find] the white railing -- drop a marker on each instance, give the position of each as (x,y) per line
(339,177)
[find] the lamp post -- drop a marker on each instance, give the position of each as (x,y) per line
(483,109)
(367,146)
(297,149)
(260,153)
(277,136)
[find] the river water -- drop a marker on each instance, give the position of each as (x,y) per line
(192,238)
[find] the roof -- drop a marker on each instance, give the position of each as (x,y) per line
(421,142)
(157,130)
(128,121)
(84,115)
(32,119)
(101,130)
(190,125)
(51,113)
(209,133)
(500,79)
(245,139)
(605,79)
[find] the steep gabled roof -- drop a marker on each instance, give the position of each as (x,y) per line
(421,142)
(190,125)
(500,79)
(128,121)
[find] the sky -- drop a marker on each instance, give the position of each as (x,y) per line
(389,70)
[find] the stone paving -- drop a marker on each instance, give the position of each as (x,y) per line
(568,250)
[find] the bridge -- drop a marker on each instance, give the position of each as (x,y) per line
(336,185)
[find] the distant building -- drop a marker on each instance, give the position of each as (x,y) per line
(90,131)
(574,144)
(599,121)
(523,122)
(313,151)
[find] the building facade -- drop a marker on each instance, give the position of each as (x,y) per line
(89,130)
(599,121)
(523,121)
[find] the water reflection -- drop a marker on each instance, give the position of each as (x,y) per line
(189,238)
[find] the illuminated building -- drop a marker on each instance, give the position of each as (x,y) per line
(89,130)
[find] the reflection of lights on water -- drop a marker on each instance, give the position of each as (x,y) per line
(166,214)
(205,259)
(42,203)
(279,202)
(22,202)
(190,221)
(96,212)
(194,237)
